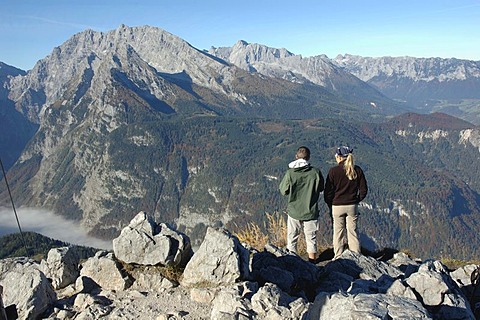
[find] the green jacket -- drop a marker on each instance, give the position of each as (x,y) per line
(303,187)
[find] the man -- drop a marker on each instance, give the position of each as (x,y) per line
(302,184)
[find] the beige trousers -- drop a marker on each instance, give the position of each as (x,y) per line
(294,228)
(345,229)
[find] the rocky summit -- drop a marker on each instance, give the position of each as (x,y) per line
(225,279)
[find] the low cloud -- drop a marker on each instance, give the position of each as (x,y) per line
(50,225)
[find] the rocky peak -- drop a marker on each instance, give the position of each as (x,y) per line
(242,53)
(266,60)
(148,47)
(428,84)
(281,63)
(417,69)
(319,70)
(256,52)
(6,73)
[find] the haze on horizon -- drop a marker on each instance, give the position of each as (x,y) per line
(31,29)
(50,225)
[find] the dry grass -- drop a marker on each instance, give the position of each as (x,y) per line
(453,264)
(253,236)
(170,272)
(274,232)
(277,229)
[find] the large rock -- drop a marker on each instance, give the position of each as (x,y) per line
(272,303)
(231,303)
(439,292)
(357,273)
(150,279)
(362,287)
(463,278)
(26,287)
(106,271)
(145,242)
(340,306)
(220,260)
(289,272)
(61,266)
(91,306)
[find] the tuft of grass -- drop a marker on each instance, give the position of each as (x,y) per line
(274,231)
(252,235)
(277,229)
(170,272)
(454,264)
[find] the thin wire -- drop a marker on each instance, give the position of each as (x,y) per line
(13,206)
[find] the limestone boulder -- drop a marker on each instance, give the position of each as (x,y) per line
(106,271)
(340,306)
(220,260)
(356,273)
(61,267)
(26,287)
(145,242)
(463,278)
(272,303)
(439,292)
(231,303)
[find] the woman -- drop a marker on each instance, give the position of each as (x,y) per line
(345,187)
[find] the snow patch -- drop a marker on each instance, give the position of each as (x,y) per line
(270,178)
(212,193)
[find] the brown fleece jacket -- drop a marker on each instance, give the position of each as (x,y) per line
(341,191)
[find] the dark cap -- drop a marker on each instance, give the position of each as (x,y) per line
(343,151)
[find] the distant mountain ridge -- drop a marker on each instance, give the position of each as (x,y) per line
(426,84)
(160,52)
(280,63)
(416,69)
(137,119)
(430,84)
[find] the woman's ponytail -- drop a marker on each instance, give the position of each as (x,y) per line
(349,167)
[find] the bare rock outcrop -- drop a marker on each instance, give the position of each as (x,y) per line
(145,242)
(220,260)
(61,266)
(293,275)
(439,292)
(26,287)
(106,271)
(337,306)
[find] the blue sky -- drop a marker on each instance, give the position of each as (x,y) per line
(30,29)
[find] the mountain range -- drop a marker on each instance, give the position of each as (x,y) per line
(137,119)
